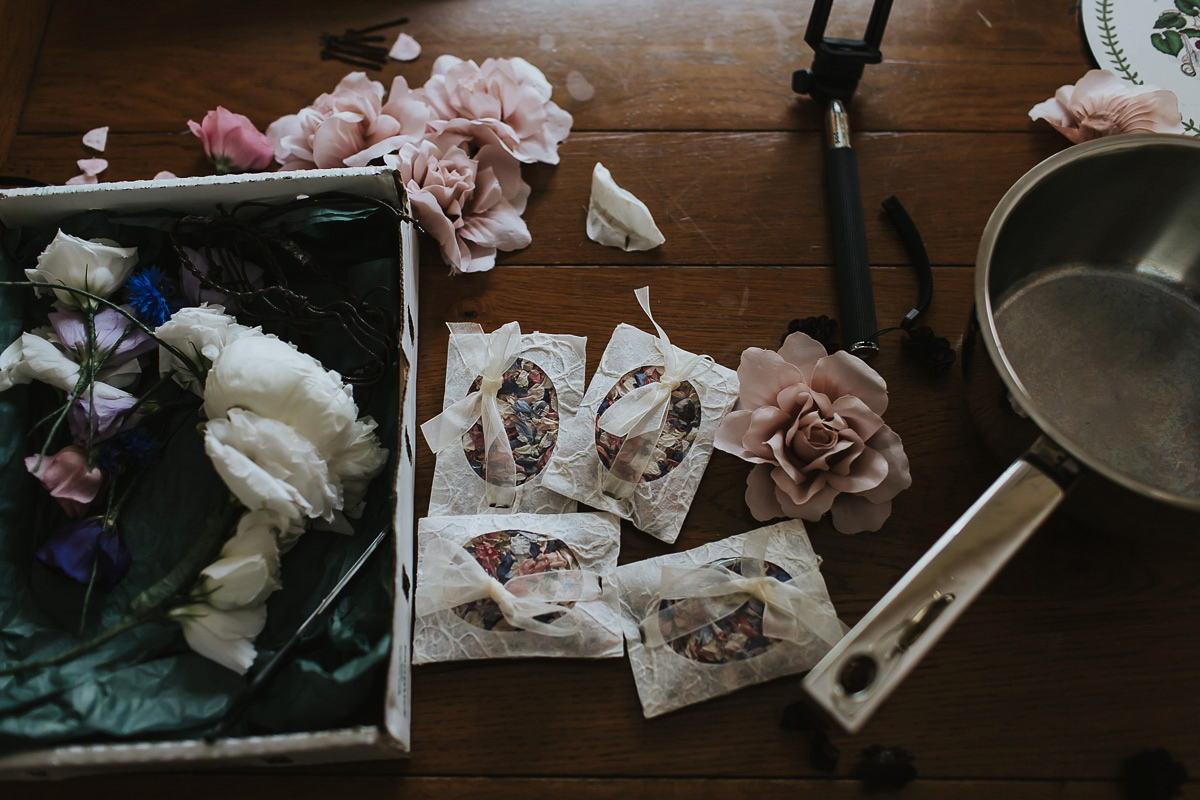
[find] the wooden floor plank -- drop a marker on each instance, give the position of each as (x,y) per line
(201,787)
(718,197)
(706,65)
(21,25)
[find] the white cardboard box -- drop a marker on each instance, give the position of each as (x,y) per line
(201,196)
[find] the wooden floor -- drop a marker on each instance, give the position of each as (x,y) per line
(1083,652)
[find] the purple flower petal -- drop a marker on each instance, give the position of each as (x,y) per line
(94,418)
(79,547)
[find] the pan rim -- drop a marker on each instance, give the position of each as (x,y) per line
(987,325)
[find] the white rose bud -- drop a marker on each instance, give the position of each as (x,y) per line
(98,266)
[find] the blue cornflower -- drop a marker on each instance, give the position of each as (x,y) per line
(151,295)
(133,449)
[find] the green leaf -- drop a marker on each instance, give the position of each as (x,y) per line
(1169,42)
(1170,19)
(1191,7)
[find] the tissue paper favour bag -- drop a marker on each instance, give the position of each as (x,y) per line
(642,438)
(733,613)
(507,397)
(514,585)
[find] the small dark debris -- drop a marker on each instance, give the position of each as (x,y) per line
(1153,775)
(933,351)
(885,768)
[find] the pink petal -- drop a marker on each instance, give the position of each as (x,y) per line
(96,138)
(899,478)
(501,228)
(732,432)
(92,166)
(811,509)
(80,180)
(406,48)
(763,374)
(855,514)
(68,479)
(842,374)
(164,175)
(337,139)
(760,494)
(863,420)
(803,352)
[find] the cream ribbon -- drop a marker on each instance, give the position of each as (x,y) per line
(639,415)
(790,612)
(522,599)
(488,355)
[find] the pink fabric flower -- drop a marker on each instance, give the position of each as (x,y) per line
(1101,104)
(505,101)
(66,475)
(813,424)
(349,126)
(471,206)
(231,142)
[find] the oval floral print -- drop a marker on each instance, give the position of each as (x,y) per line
(505,555)
(735,637)
(529,408)
(678,432)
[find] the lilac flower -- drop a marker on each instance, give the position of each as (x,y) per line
(78,548)
(110,325)
(94,418)
(152,296)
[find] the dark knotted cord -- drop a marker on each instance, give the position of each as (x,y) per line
(236,242)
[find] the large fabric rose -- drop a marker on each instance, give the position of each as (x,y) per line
(1101,104)
(352,119)
(472,206)
(813,424)
(506,101)
(98,266)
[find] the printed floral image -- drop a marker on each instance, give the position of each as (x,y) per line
(505,555)
(679,429)
(529,408)
(735,637)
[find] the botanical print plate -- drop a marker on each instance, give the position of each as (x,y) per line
(1153,42)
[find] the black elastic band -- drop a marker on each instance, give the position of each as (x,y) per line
(916,254)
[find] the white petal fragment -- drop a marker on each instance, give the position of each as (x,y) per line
(406,48)
(618,219)
(96,138)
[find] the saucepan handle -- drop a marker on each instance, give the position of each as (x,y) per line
(863,669)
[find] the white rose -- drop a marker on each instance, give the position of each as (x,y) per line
(356,462)
(268,465)
(200,333)
(247,571)
(286,530)
(226,637)
(275,380)
(98,266)
(32,357)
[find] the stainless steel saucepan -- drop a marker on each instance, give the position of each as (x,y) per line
(1087,294)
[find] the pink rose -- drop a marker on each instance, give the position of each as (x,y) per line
(350,126)
(471,206)
(506,102)
(812,423)
(66,475)
(1101,104)
(231,142)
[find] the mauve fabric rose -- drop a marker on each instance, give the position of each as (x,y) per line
(67,477)
(1101,104)
(349,126)
(472,206)
(504,101)
(813,424)
(232,143)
